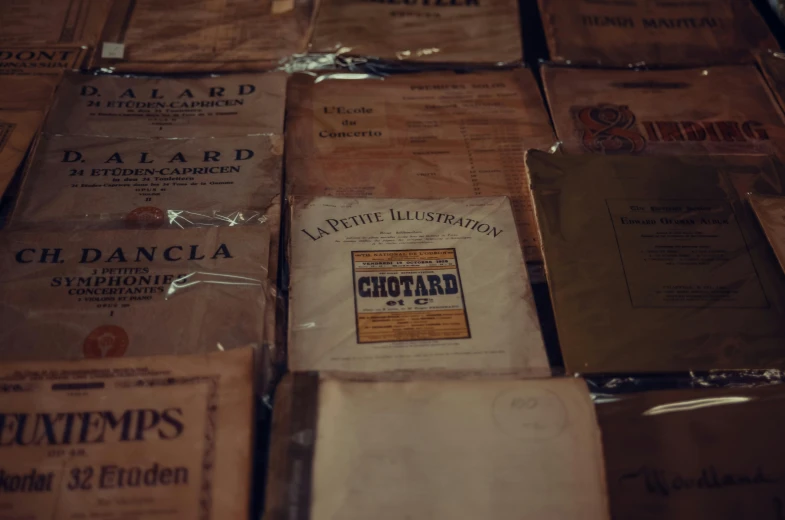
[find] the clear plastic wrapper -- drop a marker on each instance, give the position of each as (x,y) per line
(91,183)
(23,105)
(659,32)
(657,264)
(47,36)
(477,32)
(88,182)
(150,152)
(779,8)
(204,35)
(169,437)
(462,449)
(379,286)
(695,453)
(429,135)
(725,110)
(173,107)
(92,294)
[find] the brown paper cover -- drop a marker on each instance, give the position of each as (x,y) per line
(423,136)
(441,449)
(49,60)
(47,36)
(27,93)
(218,106)
(705,453)
(53,21)
(351,310)
(163,436)
(771,215)
(659,32)
(77,182)
(109,182)
(432,31)
(17,131)
(23,104)
(772,64)
(205,35)
(726,110)
(203,290)
(656,264)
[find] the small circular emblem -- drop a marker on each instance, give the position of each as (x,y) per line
(106,341)
(146,217)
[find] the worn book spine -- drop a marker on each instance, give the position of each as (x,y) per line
(293,439)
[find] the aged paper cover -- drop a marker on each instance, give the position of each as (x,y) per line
(380,285)
(23,104)
(771,214)
(40,60)
(657,264)
(705,453)
(427,135)
(77,182)
(103,182)
(439,449)
(130,293)
(163,436)
(47,36)
(653,32)
(447,31)
(17,131)
(217,106)
(692,111)
(52,21)
(27,93)
(206,35)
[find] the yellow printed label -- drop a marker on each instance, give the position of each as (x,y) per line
(413,294)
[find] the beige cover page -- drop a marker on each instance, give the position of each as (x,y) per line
(23,104)
(129,293)
(380,285)
(703,453)
(691,111)
(432,31)
(771,214)
(429,135)
(502,449)
(127,106)
(103,181)
(205,35)
(657,264)
(159,437)
(653,32)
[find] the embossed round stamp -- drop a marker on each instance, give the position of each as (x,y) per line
(145,217)
(530,414)
(106,341)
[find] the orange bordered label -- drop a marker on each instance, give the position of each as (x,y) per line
(407,295)
(106,341)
